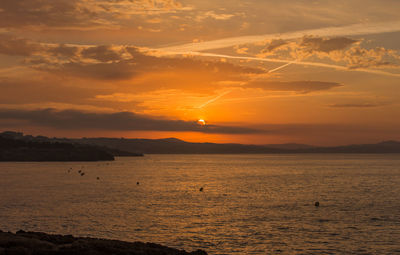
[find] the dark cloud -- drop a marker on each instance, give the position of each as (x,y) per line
(63,50)
(18,46)
(294,86)
(113,62)
(121,70)
(44,91)
(327,44)
(80,14)
(117,65)
(59,13)
(119,121)
(274,45)
(102,53)
(358,105)
(338,49)
(379,57)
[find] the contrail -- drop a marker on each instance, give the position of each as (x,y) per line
(214,99)
(349,30)
(275,60)
(229,91)
(280,67)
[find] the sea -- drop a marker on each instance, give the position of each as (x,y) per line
(223,204)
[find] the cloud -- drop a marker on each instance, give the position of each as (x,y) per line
(13,46)
(213,15)
(45,13)
(43,91)
(119,121)
(379,57)
(102,53)
(80,14)
(356,29)
(327,44)
(358,105)
(125,8)
(274,45)
(293,86)
(295,61)
(139,64)
(121,70)
(339,49)
(110,62)
(63,50)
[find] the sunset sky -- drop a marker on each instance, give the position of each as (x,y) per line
(256,71)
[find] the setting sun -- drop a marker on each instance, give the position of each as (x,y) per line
(201,122)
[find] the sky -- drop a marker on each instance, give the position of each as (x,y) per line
(256,71)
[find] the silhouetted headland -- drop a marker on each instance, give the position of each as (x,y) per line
(27,243)
(15,146)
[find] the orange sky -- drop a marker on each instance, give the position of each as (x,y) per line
(256,71)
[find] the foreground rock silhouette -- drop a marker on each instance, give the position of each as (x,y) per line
(41,243)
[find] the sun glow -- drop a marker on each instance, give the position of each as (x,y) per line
(201,122)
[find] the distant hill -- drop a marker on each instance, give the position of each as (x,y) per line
(176,146)
(289,146)
(382,147)
(136,147)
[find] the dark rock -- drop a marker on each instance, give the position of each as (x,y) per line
(41,243)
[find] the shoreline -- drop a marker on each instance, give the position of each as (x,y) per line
(28,243)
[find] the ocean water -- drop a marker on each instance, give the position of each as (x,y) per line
(250,204)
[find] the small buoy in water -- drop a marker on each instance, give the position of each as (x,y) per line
(79,171)
(137,183)
(82,174)
(201,189)
(316,204)
(98,178)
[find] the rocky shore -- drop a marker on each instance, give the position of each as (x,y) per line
(36,243)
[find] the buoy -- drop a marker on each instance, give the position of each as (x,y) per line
(201,189)
(98,178)
(316,204)
(137,183)
(82,174)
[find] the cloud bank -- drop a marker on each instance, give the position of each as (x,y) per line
(119,121)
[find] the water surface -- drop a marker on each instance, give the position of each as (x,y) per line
(250,204)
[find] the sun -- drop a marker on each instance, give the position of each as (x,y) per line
(201,122)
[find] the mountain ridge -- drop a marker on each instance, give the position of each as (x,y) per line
(177,146)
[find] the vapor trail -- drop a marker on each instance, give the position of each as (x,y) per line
(279,67)
(229,91)
(214,99)
(275,60)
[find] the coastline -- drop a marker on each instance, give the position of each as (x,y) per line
(23,242)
